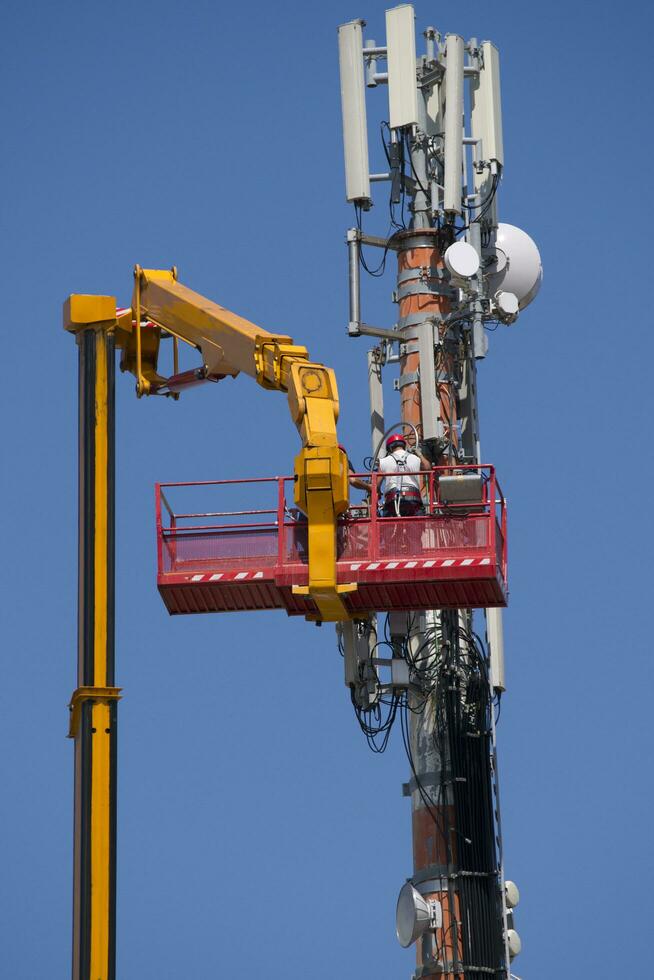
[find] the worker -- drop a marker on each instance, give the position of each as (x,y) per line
(400,468)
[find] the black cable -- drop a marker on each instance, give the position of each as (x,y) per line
(417,179)
(489,197)
(449,668)
(391,206)
(485,205)
(491,194)
(379,271)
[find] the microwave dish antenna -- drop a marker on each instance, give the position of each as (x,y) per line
(516,262)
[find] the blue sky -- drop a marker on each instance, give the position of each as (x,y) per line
(256,830)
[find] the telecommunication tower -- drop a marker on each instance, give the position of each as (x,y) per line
(402,589)
(458,270)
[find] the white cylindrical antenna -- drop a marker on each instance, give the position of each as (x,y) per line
(453,123)
(353,104)
(495,635)
(401,59)
(486,119)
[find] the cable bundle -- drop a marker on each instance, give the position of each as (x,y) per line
(449,670)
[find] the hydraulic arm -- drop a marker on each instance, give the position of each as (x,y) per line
(230,344)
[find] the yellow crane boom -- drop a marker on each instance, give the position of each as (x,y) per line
(230,344)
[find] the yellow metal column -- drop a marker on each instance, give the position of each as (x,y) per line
(94,703)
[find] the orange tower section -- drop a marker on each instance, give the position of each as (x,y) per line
(422,291)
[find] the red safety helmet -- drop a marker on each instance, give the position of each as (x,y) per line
(394,441)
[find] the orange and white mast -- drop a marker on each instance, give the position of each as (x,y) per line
(443,172)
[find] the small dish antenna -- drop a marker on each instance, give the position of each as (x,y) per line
(514,943)
(415,915)
(461,260)
(512,894)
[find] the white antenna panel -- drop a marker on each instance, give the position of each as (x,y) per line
(486,114)
(401,59)
(453,161)
(434,110)
(353,104)
(486,122)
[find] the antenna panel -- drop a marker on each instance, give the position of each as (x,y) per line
(453,167)
(486,121)
(353,104)
(401,59)
(434,110)
(486,115)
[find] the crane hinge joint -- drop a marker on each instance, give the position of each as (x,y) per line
(99,695)
(270,354)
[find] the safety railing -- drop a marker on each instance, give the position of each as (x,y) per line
(275,536)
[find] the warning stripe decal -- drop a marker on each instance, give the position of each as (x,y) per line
(229,576)
(357,566)
(373,566)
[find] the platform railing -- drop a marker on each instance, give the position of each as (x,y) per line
(284,519)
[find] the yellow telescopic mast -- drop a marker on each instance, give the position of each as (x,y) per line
(93,707)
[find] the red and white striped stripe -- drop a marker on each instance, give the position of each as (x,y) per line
(373,566)
(356,566)
(228,576)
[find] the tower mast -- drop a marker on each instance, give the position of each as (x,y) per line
(445,238)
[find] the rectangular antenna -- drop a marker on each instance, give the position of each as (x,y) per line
(434,109)
(353,104)
(453,163)
(495,637)
(486,119)
(486,115)
(401,59)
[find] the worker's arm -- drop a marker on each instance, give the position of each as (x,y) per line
(359,484)
(356,481)
(230,344)
(425,464)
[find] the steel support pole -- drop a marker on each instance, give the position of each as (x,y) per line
(94,703)
(425,402)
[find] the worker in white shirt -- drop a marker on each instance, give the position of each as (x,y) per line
(401,468)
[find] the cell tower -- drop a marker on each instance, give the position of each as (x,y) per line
(458,269)
(400,573)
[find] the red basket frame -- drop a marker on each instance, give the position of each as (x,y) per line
(281,572)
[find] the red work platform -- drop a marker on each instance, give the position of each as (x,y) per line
(230,560)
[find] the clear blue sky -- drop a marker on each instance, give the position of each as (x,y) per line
(257,834)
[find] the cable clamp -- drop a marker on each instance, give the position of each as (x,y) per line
(433,777)
(99,695)
(420,289)
(415,319)
(440,872)
(410,378)
(421,272)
